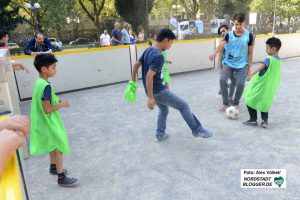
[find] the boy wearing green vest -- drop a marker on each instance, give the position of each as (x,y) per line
(260,92)
(48,134)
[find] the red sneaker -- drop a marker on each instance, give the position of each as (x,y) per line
(223,108)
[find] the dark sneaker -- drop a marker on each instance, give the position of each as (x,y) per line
(205,134)
(264,124)
(54,172)
(160,139)
(250,123)
(66,181)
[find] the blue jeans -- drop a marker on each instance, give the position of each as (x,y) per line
(166,98)
(240,79)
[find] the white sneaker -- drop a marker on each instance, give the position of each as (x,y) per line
(162,138)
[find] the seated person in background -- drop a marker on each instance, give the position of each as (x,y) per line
(3,42)
(38,45)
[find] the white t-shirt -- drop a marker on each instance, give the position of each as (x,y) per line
(105,39)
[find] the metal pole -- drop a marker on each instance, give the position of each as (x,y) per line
(36,27)
(274,18)
(177,22)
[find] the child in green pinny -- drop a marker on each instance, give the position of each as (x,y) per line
(48,134)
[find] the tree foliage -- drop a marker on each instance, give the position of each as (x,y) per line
(285,9)
(93,10)
(191,8)
(9,17)
(135,12)
(51,16)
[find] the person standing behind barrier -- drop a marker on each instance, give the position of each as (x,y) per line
(141,36)
(4,40)
(48,134)
(152,62)
(152,39)
(238,60)
(222,31)
(105,39)
(133,37)
(125,34)
(116,35)
(38,45)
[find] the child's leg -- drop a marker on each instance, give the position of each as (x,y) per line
(170,99)
(240,79)
(252,113)
(52,157)
(161,120)
(62,179)
(225,74)
(264,116)
(231,87)
(59,162)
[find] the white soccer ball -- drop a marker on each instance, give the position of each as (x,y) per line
(232,112)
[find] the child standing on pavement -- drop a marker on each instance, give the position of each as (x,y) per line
(48,134)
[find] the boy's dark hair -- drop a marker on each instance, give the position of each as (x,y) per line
(274,42)
(165,33)
(3,33)
(240,17)
(222,26)
(44,60)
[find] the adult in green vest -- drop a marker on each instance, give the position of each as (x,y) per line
(260,92)
(48,134)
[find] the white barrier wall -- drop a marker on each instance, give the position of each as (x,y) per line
(81,69)
(188,55)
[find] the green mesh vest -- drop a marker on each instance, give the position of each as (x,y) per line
(166,74)
(260,91)
(47,130)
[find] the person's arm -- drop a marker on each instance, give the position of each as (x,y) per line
(258,69)
(113,38)
(48,108)
(250,54)
(10,141)
(136,67)
(29,44)
(250,59)
(220,59)
(19,66)
(136,38)
(19,123)
(48,44)
(101,40)
(149,83)
(219,49)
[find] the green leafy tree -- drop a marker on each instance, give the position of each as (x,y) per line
(93,9)
(191,8)
(135,12)
(9,17)
(50,18)
(285,9)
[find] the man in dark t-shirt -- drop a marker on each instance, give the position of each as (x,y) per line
(116,35)
(152,62)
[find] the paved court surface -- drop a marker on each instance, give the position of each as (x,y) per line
(115,157)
